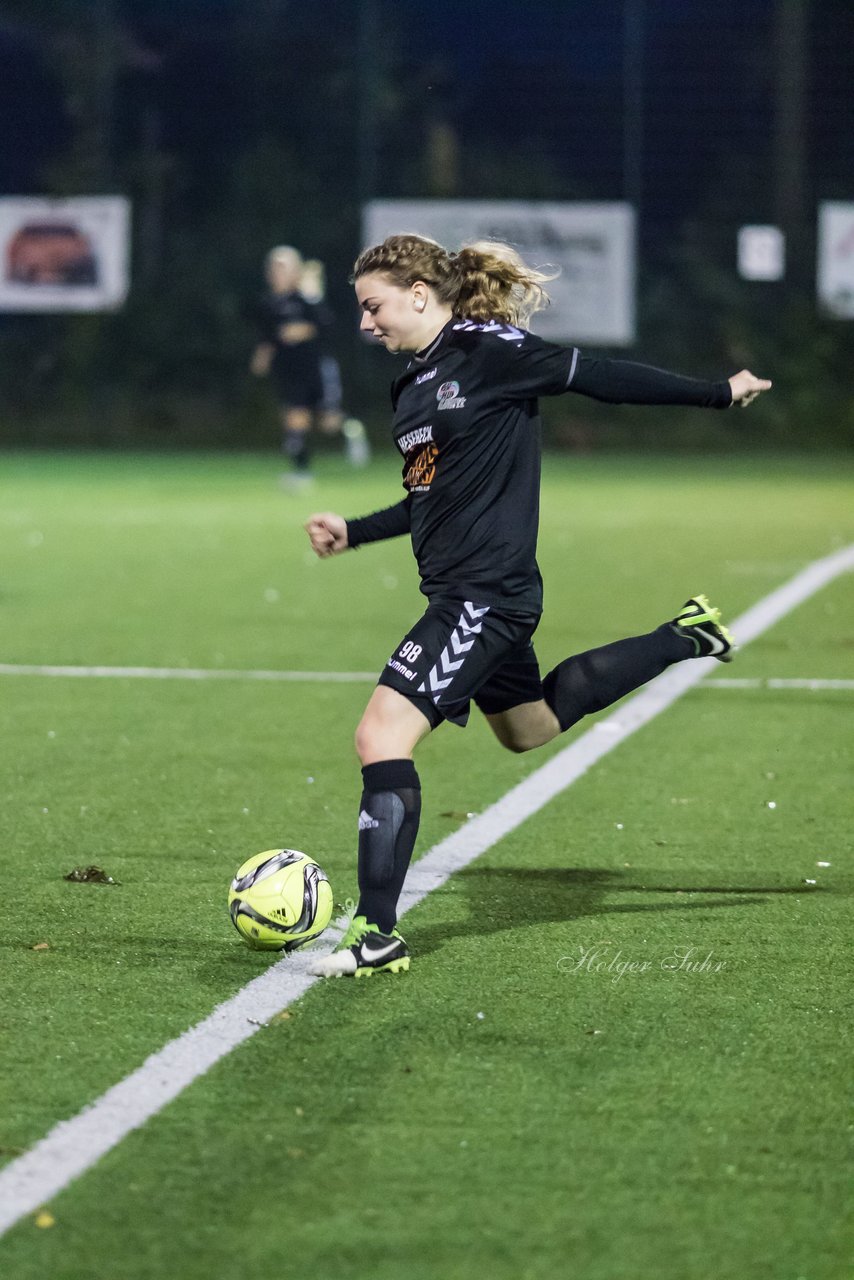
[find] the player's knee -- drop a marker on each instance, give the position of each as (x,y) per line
(363,738)
(374,738)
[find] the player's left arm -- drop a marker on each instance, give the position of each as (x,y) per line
(526,366)
(627,382)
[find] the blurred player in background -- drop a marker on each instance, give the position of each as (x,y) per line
(331,418)
(466,423)
(293,319)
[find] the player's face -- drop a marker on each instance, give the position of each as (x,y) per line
(390,312)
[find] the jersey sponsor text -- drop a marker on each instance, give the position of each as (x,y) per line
(422,471)
(421,435)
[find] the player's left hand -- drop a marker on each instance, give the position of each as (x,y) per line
(745,387)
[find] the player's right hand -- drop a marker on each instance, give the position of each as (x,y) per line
(328,533)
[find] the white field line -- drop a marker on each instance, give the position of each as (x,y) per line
(186,673)
(772,683)
(335,677)
(74,1145)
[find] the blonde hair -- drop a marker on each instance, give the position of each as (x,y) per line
(284,253)
(312,281)
(487,280)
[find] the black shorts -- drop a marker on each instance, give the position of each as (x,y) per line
(297,388)
(459,651)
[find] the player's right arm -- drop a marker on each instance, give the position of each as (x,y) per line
(330,534)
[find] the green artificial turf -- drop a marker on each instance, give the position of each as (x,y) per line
(612,1113)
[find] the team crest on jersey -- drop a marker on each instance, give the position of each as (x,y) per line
(449,396)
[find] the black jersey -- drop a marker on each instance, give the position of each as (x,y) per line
(466,421)
(298,360)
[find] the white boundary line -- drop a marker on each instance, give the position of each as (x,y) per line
(335,677)
(74,1145)
(185,673)
(773,683)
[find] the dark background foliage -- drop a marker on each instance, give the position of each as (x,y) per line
(234,125)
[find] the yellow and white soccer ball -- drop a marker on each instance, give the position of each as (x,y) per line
(279,900)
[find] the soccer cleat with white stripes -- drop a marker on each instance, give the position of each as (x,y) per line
(700,622)
(362,952)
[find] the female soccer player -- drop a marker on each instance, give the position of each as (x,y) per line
(290,351)
(466,423)
(293,319)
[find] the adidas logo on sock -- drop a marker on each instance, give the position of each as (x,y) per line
(366,822)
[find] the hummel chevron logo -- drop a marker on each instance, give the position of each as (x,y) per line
(458,645)
(453,655)
(366,822)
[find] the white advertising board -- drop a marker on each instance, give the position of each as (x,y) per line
(836,258)
(591,245)
(761,253)
(63,255)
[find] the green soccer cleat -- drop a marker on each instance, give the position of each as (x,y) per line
(364,951)
(700,622)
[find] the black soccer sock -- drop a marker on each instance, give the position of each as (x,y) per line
(295,447)
(389,813)
(590,681)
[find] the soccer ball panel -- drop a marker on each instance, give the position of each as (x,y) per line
(279,900)
(262,865)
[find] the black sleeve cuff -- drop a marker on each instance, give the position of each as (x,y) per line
(391,522)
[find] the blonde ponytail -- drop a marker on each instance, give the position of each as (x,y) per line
(497,284)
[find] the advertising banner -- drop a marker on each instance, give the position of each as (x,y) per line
(836,258)
(590,245)
(63,255)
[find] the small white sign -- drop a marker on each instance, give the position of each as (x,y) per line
(836,258)
(591,246)
(761,253)
(63,255)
